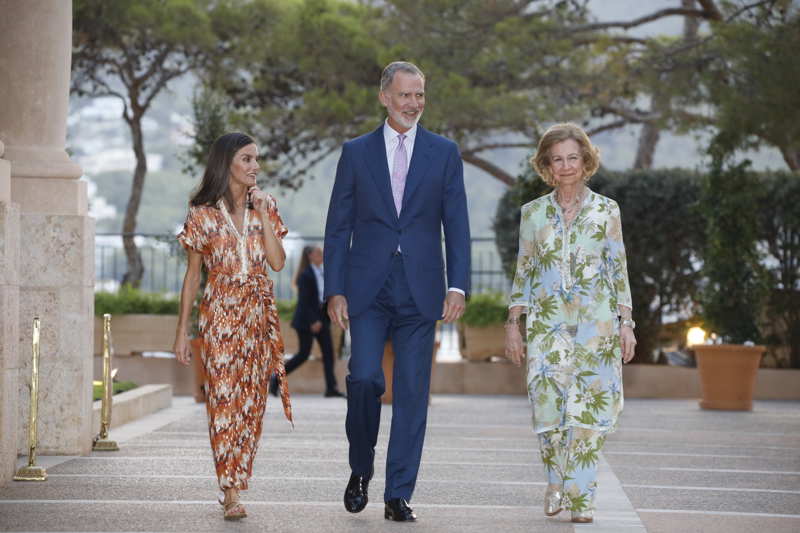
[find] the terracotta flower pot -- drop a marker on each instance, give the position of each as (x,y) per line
(728,375)
(479,343)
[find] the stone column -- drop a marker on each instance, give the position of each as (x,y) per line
(9,319)
(56,275)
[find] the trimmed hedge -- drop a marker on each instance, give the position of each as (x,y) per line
(286,309)
(117,387)
(133,301)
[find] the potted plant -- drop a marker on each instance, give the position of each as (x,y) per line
(733,297)
(481,333)
(141,321)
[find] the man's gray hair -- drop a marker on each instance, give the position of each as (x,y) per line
(398,66)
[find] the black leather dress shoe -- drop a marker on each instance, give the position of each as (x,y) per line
(397,509)
(355,495)
(334,394)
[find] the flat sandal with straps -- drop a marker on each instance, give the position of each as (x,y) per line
(233,510)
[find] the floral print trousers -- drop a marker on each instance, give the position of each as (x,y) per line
(570,458)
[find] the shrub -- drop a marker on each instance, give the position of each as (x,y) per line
(117,387)
(779,236)
(286,309)
(129,301)
(485,310)
(733,298)
(134,301)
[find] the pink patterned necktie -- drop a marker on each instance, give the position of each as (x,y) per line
(399,171)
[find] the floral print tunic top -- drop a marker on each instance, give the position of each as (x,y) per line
(571,280)
(241,337)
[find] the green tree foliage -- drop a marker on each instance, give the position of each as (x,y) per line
(301,77)
(779,239)
(210,121)
(735,74)
(751,81)
(735,290)
(496,72)
(663,232)
(128,300)
(131,51)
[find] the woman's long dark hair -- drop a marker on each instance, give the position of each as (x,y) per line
(304,262)
(216,178)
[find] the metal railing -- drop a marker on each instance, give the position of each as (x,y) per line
(165,263)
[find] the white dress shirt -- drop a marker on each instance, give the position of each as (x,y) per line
(319,274)
(391,142)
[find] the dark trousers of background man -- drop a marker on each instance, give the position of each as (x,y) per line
(306,338)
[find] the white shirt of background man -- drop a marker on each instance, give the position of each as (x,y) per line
(318,273)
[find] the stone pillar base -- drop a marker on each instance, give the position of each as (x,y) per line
(57,286)
(9,333)
(51,196)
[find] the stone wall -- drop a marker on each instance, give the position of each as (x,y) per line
(9,320)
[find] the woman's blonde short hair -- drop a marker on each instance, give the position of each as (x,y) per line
(558,133)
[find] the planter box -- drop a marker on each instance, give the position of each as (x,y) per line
(133,405)
(479,343)
(137,333)
(660,381)
(468,377)
(150,371)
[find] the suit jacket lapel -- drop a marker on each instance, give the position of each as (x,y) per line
(420,159)
(380,169)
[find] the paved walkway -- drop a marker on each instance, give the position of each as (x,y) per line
(670,468)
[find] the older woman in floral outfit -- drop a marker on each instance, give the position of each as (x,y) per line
(572,283)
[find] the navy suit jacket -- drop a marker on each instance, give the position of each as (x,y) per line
(363,229)
(308,309)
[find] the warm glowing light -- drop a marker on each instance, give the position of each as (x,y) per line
(695,335)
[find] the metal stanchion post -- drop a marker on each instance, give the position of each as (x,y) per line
(31,472)
(101,442)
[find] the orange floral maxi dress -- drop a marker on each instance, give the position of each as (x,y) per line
(241,337)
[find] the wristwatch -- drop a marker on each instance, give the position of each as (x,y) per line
(628,322)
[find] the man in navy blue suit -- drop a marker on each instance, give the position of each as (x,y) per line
(397,189)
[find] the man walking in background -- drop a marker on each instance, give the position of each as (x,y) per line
(310,321)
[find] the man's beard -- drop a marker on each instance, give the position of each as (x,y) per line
(404,121)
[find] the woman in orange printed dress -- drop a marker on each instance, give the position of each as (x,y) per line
(234,229)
